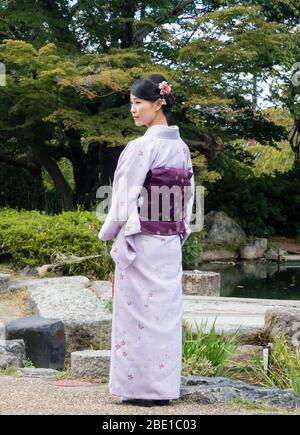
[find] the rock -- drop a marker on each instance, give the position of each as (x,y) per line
(202,283)
(217,254)
(29,270)
(4,283)
(209,390)
(45,341)
(219,227)
(30,372)
(91,363)
(15,347)
(274,254)
(7,359)
(284,322)
(102,289)
(85,318)
(253,249)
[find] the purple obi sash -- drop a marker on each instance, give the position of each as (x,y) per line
(169,215)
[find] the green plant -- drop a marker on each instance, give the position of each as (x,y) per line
(109,305)
(69,239)
(191,249)
(10,371)
(283,367)
(205,353)
(28,363)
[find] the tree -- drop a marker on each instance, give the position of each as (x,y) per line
(39,22)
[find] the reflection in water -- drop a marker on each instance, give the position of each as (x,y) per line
(255,279)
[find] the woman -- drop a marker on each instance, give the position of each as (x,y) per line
(146,343)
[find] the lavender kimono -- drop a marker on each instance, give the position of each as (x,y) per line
(146,343)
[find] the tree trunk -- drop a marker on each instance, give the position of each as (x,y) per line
(61,185)
(295,141)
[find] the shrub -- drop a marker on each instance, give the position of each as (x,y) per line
(32,237)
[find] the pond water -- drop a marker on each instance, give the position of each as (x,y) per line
(257,279)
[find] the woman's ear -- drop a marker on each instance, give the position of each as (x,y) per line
(158,104)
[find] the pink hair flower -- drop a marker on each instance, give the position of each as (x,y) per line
(164,87)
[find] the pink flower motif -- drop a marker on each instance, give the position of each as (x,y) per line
(141,326)
(117,346)
(163,241)
(130,376)
(121,276)
(129,302)
(161,366)
(141,152)
(164,87)
(150,294)
(124,354)
(146,306)
(116,250)
(123,342)
(184,150)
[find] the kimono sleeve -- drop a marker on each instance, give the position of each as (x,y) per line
(134,162)
(190,202)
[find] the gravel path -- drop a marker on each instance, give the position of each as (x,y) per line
(9,312)
(38,396)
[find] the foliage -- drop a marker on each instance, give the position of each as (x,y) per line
(262,205)
(31,238)
(191,249)
(283,367)
(205,353)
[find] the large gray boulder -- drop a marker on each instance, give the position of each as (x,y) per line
(219,227)
(45,341)
(284,322)
(86,319)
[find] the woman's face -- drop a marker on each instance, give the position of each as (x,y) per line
(144,111)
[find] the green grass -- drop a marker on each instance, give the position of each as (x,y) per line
(206,353)
(283,367)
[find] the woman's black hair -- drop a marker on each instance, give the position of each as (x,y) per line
(148,89)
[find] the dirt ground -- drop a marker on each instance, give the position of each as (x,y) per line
(29,396)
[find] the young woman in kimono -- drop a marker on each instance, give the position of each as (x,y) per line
(146,342)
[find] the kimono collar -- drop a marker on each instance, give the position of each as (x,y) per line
(163,131)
